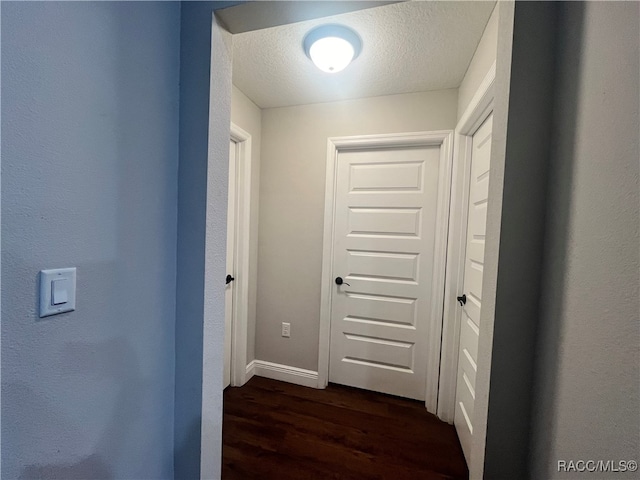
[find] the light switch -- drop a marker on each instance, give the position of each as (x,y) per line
(57,291)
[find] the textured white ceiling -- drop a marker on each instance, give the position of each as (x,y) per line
(407,47)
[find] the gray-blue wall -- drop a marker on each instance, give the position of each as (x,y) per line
(587,385)
(90,105)
(522,230)
(203,159)
(195,45)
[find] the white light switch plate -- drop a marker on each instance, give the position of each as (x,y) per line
(48,279)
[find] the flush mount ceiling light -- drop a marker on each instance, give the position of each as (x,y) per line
(332,47)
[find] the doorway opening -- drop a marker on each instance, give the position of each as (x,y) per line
(237,281)
(386,214)
(307,125)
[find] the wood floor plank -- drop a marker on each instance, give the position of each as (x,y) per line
(276,430)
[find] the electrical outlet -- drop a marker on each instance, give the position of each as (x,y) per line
(286,329)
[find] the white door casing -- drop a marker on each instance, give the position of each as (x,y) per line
(238,246)
(386,217)
(480,107)
(229,294)
(472,285)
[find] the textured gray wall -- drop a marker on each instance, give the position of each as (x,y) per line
(588,355)
(215,252)
(89,166)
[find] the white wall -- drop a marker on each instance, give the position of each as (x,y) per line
(248,116)
(292,182)
(493,244)
(215,255)
(481,61)
(588,370)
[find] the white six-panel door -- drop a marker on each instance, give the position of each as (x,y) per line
(384,240)
(474,264)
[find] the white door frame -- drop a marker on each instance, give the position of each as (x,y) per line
(340,144)
(242,191)
(479,109)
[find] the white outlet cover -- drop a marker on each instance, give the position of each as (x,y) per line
(47,278)
(286,329)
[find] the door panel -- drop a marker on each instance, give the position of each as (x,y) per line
(389,177)
(402,267)
(379,352)
(386,205)
(381,308)
(473,270)
(389,221)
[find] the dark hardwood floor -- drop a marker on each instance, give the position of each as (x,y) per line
(276,430)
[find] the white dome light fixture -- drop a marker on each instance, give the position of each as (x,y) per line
(332,47)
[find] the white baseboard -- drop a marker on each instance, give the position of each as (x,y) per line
(251,370)
(284,373)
